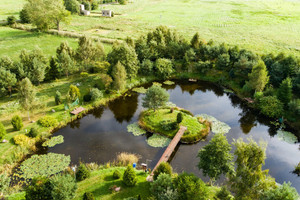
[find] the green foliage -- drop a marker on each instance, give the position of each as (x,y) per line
(39,189)
(169,125)
(88,196)
(117,174)
(119,76)
(126,55)
(2,131)
(223,194)
(48,121)
(26,94)
(11,20)
(169,82)
(179,117)
(287,136)
(33,132)
(63,187)
(163,168)
(163,67)
(4,182)
(58,98)
(190,187)
(74,92)
(135,129)
(284,93)
(258,78)
(196,41)
(146,67)
(72,6)
(65,63)
(271,106)
(53,141)
(16,122)
(157,140)
(283,192)
(24,16)
(7,80)
(53,72)
(129,176)
(44,165)
(297,169)
(155,97)
(223,61)
(105,82)
(82,173)
(45,14)
(122,2)
(23,141)
(96,94)
(249,178)
(162,187)
(87,97)
(215,157)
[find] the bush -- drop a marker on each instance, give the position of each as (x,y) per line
(4,183)
(82,172)
(16,122)
(33,132)
(123,2)
(146,67)
(129,176)
(96,94)
(84,74)
(73,92)
(168,125)
(48,121)
(95,5)
(40,188)
(58,99)
(23,140)
(117,174)
(72,6)
(164,67)
(87,98)
(162,188)
(271,106)
(179,117)
(63,187)
(24,16)
(11,20)
(2,131)
(283,192)
(88,196)
(164,167)
(125,159)
(223,194)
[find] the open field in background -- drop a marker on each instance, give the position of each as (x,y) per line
(10,7)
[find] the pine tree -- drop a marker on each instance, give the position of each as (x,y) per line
(258,78)
(196,41)
(129,176)
(119,76)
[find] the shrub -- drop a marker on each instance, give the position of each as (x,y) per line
(164,67)
(4,182)
(23,140)
(162,187)
(47,121)
(283,192)
(16,122)
(24,16)
(58,99)
(223,194)
(63,187)
(40,188)
(112,14)
(2,131)
(73,92)
(179,117)
(11,20)
(129,176)
(117,174)
(164,167)
(84,74)
(271,106)
(96,94)
(127,158)
(168,125)
(82,172)
(88,196)
(146,67)
(87,98)
(33,132)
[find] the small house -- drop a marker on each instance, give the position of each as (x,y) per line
(83,11)
(107,13)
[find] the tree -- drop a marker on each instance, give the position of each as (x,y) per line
(2,131)
(223,194)
(179,117)
(73,92)
(126,55)
(82,173)
(163,67)
(283,192)
(65,63)
(270,106)
(53,71)
(63,187)
(96,94)
(190,187)
(119,76)
(249,179)
(258,78)
(223,61)
(196,41)
(16,122)
(163,167)
(284,93)
(72,6)
(162,188)
(155,97)
(26,95)
(46,14)
(38,70)
(64,46)
(7,80)
(129,176)
(24,16)
(215,157)
(39,189)
(146,67)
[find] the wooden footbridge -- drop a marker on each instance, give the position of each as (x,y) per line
(168,152)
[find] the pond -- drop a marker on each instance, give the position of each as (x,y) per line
(102,134)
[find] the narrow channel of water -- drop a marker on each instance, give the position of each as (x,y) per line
(101,135)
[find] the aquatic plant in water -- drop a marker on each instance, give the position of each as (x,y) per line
(157,140)
(286,136)
(54,141)
(217,126)
(135,129)
(141,90)
(156,83)
(169,83)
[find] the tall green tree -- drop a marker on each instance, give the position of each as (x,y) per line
(282,192)
(163,67)
(38,70)
(215,157)
(258,78)
(126,55)
(7,80)
(155,97)
(284,93)
(196,41)
(250,180)
(119,76)
(65,63)
(45,14)
(26,95)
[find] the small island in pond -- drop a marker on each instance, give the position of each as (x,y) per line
(167,121)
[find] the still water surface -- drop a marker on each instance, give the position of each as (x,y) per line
(102,134)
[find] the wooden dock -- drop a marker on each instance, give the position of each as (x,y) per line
(77,110)
(168,152)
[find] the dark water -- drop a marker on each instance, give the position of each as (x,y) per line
(99,136)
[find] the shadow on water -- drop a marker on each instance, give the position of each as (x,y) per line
(102,134)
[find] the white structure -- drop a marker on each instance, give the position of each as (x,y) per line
(107,13)
(83,11)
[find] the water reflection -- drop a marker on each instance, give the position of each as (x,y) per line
(100,135)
